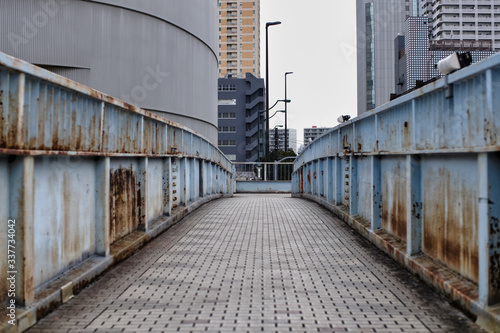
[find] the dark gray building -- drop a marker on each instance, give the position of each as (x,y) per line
(240,101)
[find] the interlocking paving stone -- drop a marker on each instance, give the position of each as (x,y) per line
(257,263)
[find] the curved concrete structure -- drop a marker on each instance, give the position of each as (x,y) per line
(158,54)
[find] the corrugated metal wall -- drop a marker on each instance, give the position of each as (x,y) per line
(159,55)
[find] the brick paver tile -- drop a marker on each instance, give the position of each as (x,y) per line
(257,263)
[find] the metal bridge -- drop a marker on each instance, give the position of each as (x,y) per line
(88,180)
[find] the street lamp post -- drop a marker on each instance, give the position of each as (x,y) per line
(286,115)
(266,111)
(268,24)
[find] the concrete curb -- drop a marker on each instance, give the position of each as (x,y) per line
(59,290)
(460,291)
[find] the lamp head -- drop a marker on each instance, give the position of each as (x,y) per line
(272,23)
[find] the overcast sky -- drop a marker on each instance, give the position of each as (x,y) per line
(316,40)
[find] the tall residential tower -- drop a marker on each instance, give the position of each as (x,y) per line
(464,22)
(239,38)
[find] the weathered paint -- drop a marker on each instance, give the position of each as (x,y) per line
(394,196)
(124,201)
(85,170)
(432,183)
(64,212)
(4,216)
(489,228)
(364,181)
(450,213)
(155,188)
(263,187)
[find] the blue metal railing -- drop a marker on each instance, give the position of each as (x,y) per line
(83,173)
(425,170)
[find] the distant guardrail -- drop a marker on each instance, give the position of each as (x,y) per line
(420,177)
(263,177)
(263,171)
(86,179)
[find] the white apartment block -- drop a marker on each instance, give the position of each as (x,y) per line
(292,139)
(466,23)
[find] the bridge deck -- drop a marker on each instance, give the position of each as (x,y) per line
(257,263)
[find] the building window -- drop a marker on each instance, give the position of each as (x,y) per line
(227,115)
(227,129)
(227,87)
(370,57)
(227,143)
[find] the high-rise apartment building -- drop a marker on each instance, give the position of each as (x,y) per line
(310,134)
(239,38)
(292,139)
(378,22)
(416,58)
(463,22)
(444,26)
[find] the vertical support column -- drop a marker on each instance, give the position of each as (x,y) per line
(175,166)
(182,181)
(167,186)
(22,219)
(414,225)
(318,177)
(192,178)
(489,228)
(338,181)
(308,178)
(330,179)
(376,193)
(210,178)
(312,186)
(219,180)
(142,193)
(102,201)
(321,179)
(353,185)
(214,178)
(201,181)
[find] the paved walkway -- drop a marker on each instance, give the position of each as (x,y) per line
(257,263)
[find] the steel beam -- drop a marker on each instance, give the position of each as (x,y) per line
(414,206)
(489,228)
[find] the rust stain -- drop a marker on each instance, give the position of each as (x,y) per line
(123,203)
(394,202)
(301,180)
(406,135)
(345,144)
(309,177)
(3,138)
(450,223)
(495,255)
(12,136)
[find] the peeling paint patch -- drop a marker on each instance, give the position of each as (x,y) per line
(123,203)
